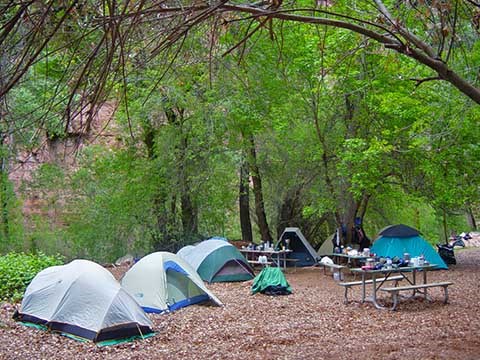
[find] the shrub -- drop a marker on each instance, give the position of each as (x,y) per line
(18,269)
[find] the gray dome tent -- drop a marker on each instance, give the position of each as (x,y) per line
(84,300)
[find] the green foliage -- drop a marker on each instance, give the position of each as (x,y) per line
(112,210)
(18,269)
(367,165)
(335,118)
(12,222)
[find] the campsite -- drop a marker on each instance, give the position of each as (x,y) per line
(311,323)
(236,179)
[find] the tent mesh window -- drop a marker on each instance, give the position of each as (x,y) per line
(233,267)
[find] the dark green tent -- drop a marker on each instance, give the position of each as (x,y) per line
(217,261)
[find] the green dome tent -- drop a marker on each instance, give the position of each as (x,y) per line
(82,300)
(162,282)
(185,250)
(395,240)
(217,261)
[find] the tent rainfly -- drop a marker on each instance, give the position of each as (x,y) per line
(217,261)
(327,246)
(82,300)
(163,281)
(396,240)
(293,239)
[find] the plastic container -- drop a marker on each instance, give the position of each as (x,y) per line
(421,260)
(338,276)
(415,261)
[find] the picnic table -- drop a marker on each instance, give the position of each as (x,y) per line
(350,260)
(277,257)
(387,274)
(344,261)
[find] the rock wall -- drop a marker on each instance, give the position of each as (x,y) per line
(62,152)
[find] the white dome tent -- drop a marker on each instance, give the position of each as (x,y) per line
(163,281)
(82,299)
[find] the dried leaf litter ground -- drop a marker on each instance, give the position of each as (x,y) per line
(313,322)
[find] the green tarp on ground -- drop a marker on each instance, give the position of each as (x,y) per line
(271,281)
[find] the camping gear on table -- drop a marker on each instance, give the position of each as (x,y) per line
(396,240)
(271,281)
(163,281)
(82,300)
(217,261)
(293,239)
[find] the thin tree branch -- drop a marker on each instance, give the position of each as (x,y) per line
(421,81)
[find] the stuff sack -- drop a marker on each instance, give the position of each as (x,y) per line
(447,254)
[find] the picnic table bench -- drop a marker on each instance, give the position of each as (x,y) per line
(331,266)
(348,285)
(292,261)
(277,257)
(395,290)
(336,267)
(256,262)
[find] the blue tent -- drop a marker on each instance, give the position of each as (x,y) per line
(395,240)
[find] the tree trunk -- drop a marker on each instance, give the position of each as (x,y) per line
(286,213)
(416,218)
(4,165)
(470,218)
(189,215)
(189,211)
(244,203)
(161,235)
(258,194)
(363,206)
(349,222)
(444,222)
(4,192)
(349,207)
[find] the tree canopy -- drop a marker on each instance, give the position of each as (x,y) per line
(303,114)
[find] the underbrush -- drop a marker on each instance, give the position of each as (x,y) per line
(18,269)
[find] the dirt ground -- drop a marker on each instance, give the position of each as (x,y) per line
(311,323)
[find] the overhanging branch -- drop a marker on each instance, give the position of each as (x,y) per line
(414,48)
